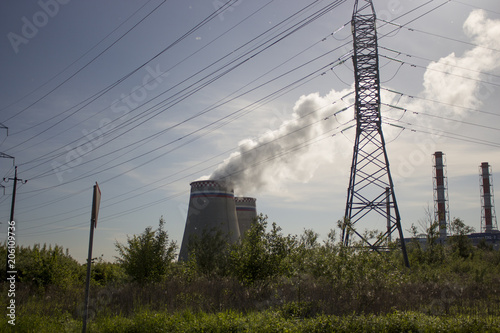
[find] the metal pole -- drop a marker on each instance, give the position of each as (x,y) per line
(87,286)
(13,196)
(388,212)
(13,205)
(93,218)
(11,215)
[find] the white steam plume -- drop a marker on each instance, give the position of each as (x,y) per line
(268,161)
(291,152)
(457,89)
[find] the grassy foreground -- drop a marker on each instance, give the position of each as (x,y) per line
(265,321)
(267,283)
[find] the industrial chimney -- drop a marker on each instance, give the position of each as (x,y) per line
(488,217)
(211,207)
(441,209)
(246,211)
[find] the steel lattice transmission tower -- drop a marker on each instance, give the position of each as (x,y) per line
(371,189)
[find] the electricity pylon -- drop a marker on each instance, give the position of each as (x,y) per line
(371,189)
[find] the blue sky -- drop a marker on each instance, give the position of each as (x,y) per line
(76,77)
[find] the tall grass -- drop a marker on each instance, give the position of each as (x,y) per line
(319,288)
(263,321)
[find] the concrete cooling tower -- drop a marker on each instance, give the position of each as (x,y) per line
(211,206)
(246,211)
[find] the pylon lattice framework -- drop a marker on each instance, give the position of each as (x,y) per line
(371,189)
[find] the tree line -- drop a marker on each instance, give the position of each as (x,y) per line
(301,274)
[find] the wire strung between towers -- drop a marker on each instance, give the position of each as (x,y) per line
(81,57)
(327,134)
(205,81)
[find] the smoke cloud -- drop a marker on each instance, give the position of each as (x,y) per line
(290,153)
(275,157)
(463,86)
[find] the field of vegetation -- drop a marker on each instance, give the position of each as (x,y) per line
(270,282)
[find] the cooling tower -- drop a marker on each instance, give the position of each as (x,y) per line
(211,207)
(246,211)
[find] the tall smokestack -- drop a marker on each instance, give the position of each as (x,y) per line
(488,217)
(246,211)
(211,207)
(441,213)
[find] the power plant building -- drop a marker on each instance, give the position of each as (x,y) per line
(211,207)
(246,212)
(489,233)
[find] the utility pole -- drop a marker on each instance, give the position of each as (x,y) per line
(96,202)
(370,194)
(13,205)
(15,179)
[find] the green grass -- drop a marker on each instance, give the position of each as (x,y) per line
(265,321)
(325,288)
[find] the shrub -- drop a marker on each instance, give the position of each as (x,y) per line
(149,256)
(104,272)
(45,265)
(209,253)
(261,255)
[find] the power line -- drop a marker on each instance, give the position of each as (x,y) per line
(183,192)
(477,7)
(107,89)
(254,104)
(299,146)
(412,20)
(79,70)
(74,62)
(93,98)
(437,70)
(444,118)
(218,155)
(438,61)
(48,173)
(169,106)
(440,133)
(47,157)
(199,25)
(211,77)
(441,102)
(439,36)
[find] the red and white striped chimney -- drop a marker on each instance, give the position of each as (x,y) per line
(441,213)
(488,217)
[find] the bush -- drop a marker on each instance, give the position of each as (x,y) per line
(459,242)
(267,282)
(104,273)
(45,265)
(149,256)
(261,255)
(209,253)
